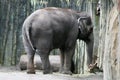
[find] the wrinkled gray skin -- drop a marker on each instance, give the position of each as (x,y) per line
(51,28)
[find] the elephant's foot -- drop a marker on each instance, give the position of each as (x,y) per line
(65,71)
(61,70)
(47,71)
(30,71)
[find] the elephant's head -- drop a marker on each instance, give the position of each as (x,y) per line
(85,28)
(86,34)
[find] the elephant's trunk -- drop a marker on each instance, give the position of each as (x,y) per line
(89,46)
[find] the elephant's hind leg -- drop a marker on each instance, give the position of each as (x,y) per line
(30,64)
(44,54)
(30,56)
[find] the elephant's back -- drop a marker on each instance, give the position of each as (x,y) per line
(51,17)
(53,13)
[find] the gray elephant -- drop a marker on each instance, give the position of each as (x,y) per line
(50,28)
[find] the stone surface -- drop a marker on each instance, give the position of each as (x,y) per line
(13,73)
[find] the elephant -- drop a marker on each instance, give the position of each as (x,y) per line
(56,28)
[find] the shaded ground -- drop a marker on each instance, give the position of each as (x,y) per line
(13,73)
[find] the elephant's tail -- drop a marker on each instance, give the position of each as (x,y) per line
(26,35)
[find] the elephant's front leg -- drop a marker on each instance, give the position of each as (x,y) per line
(61,61)
(68,61)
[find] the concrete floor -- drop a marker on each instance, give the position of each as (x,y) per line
(11,73)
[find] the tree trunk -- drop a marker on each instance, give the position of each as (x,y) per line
(112,49)
(12,16)
(118,50)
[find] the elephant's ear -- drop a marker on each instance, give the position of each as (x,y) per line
(82,18)
(88,20)
(85,25)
